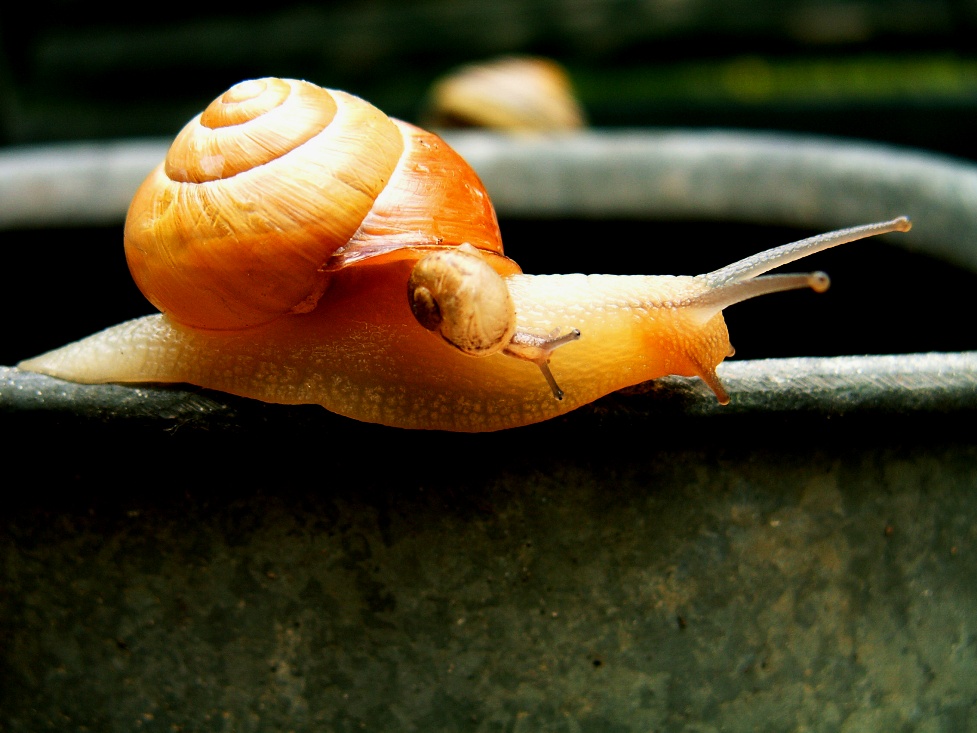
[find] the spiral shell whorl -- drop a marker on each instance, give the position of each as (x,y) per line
(247,126)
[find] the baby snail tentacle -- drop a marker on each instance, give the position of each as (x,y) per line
(459,295)
(538,348)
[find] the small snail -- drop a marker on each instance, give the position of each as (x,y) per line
(324,267)
(512,93)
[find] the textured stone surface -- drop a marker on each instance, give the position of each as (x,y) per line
(736,576)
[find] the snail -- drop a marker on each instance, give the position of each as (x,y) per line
(354,261)
(511,93)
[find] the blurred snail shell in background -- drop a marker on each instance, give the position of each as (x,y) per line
(514,93)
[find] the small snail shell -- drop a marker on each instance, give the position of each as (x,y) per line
(402,309)
(514,93)
(455,293)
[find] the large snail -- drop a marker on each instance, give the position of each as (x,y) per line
(296,239)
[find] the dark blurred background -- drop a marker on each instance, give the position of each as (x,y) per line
(894,71)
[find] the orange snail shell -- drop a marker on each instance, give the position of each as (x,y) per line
(278,184)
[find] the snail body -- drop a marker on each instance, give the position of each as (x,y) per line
(402,311)
(382,375)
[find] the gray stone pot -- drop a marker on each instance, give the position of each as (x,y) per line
(803,558)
